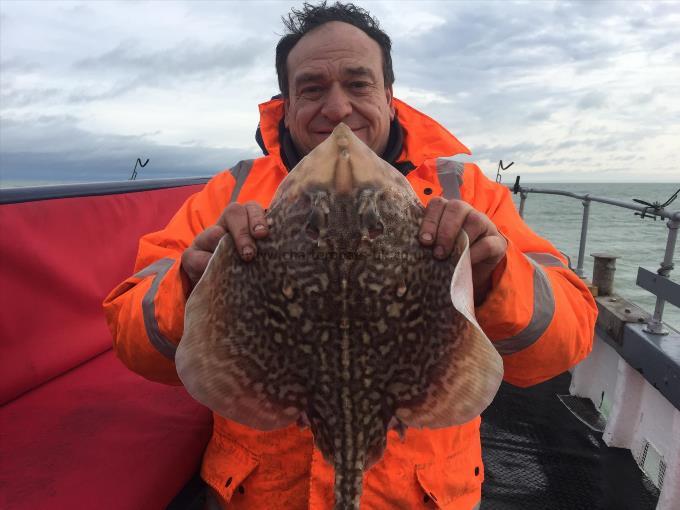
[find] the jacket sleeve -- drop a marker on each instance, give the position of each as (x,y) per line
(539,314)
(145,313)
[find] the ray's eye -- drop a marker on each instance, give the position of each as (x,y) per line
(314,222)
(376,230)
(312,232)
(372,226)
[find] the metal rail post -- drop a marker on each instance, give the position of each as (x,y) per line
(584,235)
(523,198)
(655,326)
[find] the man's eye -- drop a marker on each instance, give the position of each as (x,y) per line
(312,90)
(360,84)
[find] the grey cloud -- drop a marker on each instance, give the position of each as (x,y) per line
(54,150)
(17,65)
(643,99)
(575,151)
(14,98)
(487,52)
(507,153)
(594,99)
(658,29)
(508,109)
(495,40)
(186,58)
(576,162)
(115,89)
(606,141)
(80,10)
(492,60)
(572,143)
(128,67)
(539,115)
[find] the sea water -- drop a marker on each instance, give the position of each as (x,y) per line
(613,230)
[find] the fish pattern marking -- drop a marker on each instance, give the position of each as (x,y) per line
(343,322)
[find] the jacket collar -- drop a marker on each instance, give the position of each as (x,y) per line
(423,137)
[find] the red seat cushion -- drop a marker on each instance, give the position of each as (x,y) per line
(99,436)
(58,260)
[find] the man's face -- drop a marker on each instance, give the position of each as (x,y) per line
(335,75)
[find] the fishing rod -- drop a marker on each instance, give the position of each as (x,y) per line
(134,170)
(656,207)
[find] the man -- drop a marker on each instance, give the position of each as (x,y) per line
(335,66)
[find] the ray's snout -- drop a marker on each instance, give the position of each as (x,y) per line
(333,163)
(343,180)
(340,165)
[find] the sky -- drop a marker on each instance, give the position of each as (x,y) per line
(570,91)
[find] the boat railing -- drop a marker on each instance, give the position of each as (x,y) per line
(657,283)
(92,189)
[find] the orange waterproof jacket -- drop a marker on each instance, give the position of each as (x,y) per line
(538,313)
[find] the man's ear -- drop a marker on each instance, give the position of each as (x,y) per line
(389,94)
(286,109)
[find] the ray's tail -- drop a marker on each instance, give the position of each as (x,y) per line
(349,477)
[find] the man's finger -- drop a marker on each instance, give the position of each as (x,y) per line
(256,220)
(452,220)
(476,225)
(430,222)
(209,238)
(485,256)
(194,263)
(487,252)
(235,220)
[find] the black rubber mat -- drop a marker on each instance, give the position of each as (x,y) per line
(539,456)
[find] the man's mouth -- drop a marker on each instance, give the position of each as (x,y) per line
(328,132)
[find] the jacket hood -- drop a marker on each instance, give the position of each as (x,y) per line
(424,138)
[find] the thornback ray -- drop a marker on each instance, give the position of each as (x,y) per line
(343,321)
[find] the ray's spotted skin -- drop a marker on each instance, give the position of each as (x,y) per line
(343,322)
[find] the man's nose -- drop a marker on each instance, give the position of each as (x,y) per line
(337,106)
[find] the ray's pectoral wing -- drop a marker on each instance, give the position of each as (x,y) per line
(221,359)
(467,378)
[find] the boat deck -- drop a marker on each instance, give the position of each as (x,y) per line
(539,456)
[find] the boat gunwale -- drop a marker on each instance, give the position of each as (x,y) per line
(91,189)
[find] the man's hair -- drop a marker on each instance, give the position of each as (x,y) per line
(301,21)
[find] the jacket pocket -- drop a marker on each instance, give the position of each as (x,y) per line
(454,482)
(226,465)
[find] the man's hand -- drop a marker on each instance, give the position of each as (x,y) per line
(440,226)
(244,223)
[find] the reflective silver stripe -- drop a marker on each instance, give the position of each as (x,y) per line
(450,175)
(544,309)
(546,259)
(162,344)
(240,173)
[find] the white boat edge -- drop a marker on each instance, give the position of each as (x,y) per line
(638,417)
